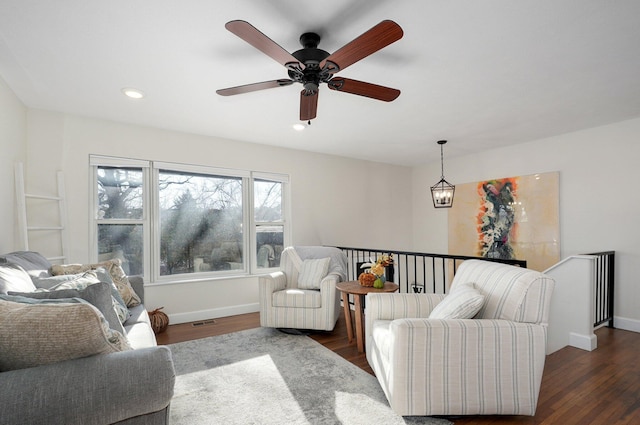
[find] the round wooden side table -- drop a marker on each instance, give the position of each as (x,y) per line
(359,292)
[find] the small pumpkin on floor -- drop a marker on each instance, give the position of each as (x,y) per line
(159,320)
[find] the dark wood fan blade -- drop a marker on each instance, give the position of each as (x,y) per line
(361,88)
(254,87)
(378,37)
(253,36)
(308,106)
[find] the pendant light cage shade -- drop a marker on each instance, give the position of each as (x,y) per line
(442,192)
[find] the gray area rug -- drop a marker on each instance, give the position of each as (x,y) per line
(263,376)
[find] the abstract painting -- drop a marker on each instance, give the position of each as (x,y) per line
(508,218)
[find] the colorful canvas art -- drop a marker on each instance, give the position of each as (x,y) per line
(509,218)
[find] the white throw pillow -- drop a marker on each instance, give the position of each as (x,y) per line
(463,302)
(312,272)
(14,278)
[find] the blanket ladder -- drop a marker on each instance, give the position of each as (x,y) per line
(46,232)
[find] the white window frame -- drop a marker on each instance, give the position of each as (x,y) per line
(96,161)
(285,222)
(151,216)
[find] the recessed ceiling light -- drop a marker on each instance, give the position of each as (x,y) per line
(299,127)
(133,93)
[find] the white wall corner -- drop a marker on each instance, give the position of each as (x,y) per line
(583,342)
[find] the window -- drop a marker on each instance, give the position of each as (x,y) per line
(269,222)
(200,222)
(171,221)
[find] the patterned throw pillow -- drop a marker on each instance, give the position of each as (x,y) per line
(312,272)
(38,332)
(463,302)
(114,268)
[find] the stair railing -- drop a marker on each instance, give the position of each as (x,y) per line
(418,272)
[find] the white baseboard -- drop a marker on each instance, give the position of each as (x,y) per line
(626,324)
(583,342)
(194,316)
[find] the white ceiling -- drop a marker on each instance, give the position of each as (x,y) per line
(481,74)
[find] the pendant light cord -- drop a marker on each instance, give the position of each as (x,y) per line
(441,162)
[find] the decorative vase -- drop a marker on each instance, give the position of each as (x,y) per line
(159,320)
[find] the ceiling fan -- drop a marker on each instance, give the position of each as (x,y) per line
(311,66)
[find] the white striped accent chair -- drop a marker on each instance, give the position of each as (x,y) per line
(284,304)
(490,364)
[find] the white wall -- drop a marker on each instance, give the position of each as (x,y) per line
(599,204)
(334,202)
(13,127)
(334,198)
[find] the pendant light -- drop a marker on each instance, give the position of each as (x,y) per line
(442,192)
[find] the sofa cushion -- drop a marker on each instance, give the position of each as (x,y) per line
(463,302)
(298,298)
(36,332)
(312,272)
(138,328)
(14,278)
(32,262)
(95,292)
(114,268)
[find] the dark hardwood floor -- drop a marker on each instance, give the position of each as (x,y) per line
(578,387)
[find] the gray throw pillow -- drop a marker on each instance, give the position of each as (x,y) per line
(119,305)
(97,294)
(48,282)
(82,280)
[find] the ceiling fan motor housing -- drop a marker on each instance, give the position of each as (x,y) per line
(311,76)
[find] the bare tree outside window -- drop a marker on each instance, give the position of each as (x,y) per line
(120,193)
(200,223)
(120,200)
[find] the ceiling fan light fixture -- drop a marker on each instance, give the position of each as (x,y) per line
(133,93)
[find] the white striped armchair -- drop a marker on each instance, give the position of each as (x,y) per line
(292,298)
(490,364)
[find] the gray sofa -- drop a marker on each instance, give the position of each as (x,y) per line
(134,386)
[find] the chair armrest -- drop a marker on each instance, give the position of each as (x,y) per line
(267,285)
(391,306)
(467,365)
(329,282)
(328,289)
(92,390)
